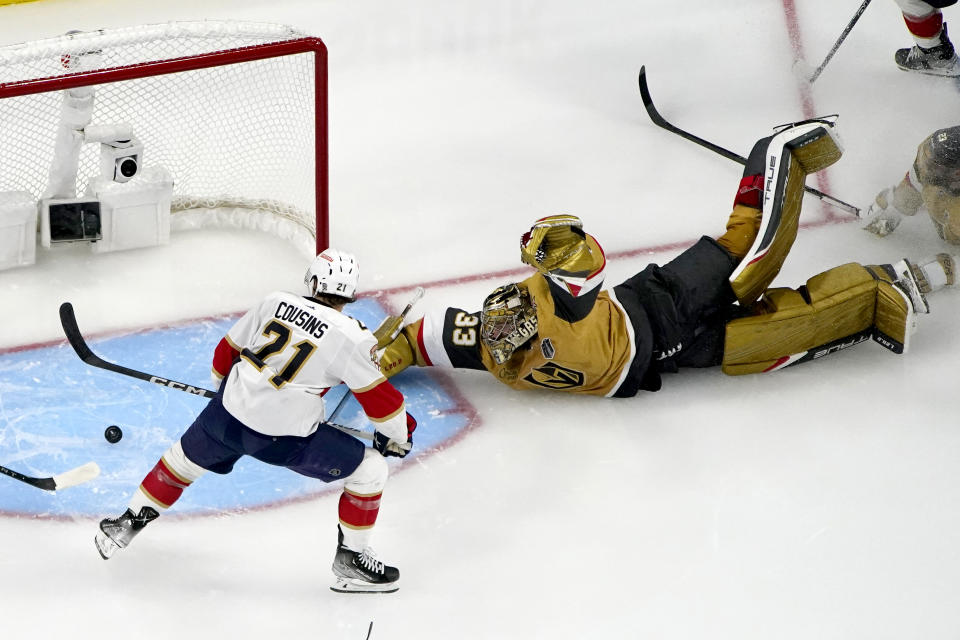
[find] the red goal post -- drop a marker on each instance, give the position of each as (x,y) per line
(236,113)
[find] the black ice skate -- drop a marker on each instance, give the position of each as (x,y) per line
(940,60)
(361,572)
(116,533)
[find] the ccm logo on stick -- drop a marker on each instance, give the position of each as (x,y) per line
(177,385)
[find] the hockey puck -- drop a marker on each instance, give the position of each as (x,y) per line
(113,434)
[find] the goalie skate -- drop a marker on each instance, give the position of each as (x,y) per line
(912,282)
(793,152)
(362,572)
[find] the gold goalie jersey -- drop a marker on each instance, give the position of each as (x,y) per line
(585,341)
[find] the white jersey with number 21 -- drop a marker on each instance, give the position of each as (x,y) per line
(306,348)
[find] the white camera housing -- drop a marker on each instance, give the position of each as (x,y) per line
(120,160)
(18,229)
(121,154)
(134,213)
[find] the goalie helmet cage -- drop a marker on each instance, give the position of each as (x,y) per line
(235,111)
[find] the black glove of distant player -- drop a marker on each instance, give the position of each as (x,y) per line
(389,447)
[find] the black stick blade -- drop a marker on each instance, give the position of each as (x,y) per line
(68,320)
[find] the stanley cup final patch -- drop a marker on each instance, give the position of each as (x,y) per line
(546,348)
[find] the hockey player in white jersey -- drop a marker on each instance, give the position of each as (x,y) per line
(275,365)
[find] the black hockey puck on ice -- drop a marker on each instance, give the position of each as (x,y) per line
(113,434)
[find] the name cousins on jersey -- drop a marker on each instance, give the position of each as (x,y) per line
(285,311)
(301,318)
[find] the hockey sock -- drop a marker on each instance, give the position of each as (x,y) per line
(925,29)
(358,514)
(360,500)
(165,483)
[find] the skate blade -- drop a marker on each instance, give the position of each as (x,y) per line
(105,545)
(347,585)
(938,73)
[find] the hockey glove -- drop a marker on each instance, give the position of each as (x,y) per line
(553,242)
(882,217)
(388,330)
(389,447)
(396,356)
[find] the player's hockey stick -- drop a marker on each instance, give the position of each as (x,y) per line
(843,36)
(63,480)
(69,322)
(72,331)
(661,122)
(70,328)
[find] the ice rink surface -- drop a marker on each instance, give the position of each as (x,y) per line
(818,502)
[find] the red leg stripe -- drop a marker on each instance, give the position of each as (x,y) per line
(359,512)
(163,485)
(925,27)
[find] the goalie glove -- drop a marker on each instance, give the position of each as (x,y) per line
(388,330)
(396,355)
(882,217)
(556,243)
(389,447)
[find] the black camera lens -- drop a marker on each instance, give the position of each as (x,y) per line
(128,167)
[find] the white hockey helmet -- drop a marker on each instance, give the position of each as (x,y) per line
(333,273)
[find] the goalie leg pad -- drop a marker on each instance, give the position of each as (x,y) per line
(742,227)
(790,156)
(835,309)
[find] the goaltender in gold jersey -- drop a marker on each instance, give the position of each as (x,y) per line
(709,306)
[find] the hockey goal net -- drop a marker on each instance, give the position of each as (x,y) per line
(235,112)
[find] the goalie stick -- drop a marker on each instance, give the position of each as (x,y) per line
(63,480)
(661,122)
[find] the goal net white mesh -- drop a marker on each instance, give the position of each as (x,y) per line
(236,112)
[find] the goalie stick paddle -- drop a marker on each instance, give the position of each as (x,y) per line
(63,480)
(662,122)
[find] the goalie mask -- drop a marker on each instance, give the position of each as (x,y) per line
(508,320)
(333,273)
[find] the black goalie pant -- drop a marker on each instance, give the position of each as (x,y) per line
(688,302)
